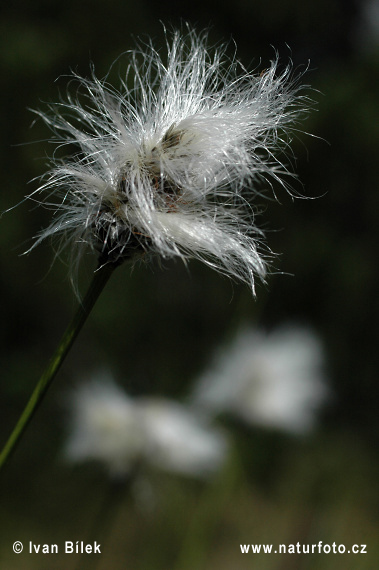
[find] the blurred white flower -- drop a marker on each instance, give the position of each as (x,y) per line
(178,440)
(274,380)
(105,426)
(163,161)
(121,432)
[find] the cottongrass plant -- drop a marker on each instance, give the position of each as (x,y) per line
(125,433)
(167,164)
(134,438)
(276,380)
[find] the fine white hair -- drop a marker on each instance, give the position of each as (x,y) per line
(170,163)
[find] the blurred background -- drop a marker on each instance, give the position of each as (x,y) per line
(157,328)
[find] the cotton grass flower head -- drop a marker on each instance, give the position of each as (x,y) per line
(122,432)
(179,440)
(104,426)
(169,163)
(273,380)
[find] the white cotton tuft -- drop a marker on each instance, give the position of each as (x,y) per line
(179,440)
(104,426)
(123,433)
(274,380)
(171,162)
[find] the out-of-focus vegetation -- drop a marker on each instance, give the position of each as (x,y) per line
(156,327)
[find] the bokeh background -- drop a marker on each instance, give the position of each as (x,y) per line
(156,328)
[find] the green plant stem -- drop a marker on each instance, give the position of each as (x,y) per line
(98,282)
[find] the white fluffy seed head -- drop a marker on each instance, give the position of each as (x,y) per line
(170,162)
(122,432)
(274,380)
